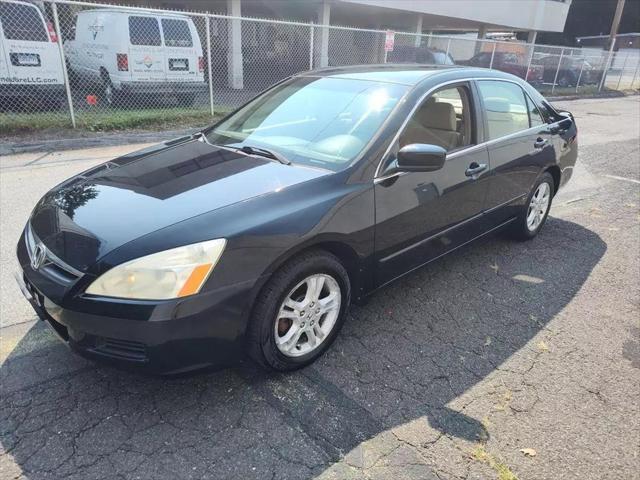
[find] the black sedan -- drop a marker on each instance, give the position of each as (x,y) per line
(254,235)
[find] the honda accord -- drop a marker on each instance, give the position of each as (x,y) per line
(253,236)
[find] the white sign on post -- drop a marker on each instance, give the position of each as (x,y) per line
(389,40)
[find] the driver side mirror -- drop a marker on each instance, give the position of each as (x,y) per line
(420,157)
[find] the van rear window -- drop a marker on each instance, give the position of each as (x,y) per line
(22,22)
(176,33)
(144,31)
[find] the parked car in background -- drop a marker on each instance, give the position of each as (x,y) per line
(571,69)
(254,235)
(510,62)
(422,55)
(127,53)
(31,72)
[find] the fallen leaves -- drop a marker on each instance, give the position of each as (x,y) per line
(542,346)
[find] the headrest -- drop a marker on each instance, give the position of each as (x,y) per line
(440,115)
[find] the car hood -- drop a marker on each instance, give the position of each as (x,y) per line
(94,213)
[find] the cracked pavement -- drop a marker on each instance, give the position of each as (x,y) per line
(447,374)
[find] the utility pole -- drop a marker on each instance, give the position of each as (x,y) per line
(612,40)
(615,24)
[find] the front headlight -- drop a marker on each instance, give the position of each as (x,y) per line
(173,273)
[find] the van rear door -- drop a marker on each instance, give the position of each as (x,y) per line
(183,51)
(4,60)
(29,44)
(146,53)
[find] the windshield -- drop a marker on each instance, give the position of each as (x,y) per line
(324,122)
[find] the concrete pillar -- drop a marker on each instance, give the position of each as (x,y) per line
(482,33)
(429,38)
(235,74)
(531,37)
(418,40)
(324,18)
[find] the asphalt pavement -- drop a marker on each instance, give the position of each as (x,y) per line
(502,359)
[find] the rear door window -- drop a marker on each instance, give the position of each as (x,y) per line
(144,31)
(22,22)
(176,33)
(505,108)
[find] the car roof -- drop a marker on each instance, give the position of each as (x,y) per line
(404,74)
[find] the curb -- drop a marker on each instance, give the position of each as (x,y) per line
(103,140)
(614,94)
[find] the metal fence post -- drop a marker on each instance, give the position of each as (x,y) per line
(555,79)
(448,47)
(493,53)
(208,24)
(580,74)
(607,65)
(54,7)
(311,46)
(624,65)
(533,50)
(633,81)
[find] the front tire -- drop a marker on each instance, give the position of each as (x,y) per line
(536,209)
(299,312)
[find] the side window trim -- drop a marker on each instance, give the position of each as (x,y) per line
(529,100)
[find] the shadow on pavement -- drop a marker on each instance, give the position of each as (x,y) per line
(415,347)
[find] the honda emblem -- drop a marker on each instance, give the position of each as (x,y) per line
(39,256)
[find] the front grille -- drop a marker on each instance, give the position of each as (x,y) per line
(52,265)
(123,349)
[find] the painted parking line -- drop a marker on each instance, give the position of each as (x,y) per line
(624,179)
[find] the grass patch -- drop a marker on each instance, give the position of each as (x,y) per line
(111,120)
(503,471)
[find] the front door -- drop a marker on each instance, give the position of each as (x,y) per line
(419,215)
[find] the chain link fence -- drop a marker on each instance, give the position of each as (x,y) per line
(72,63)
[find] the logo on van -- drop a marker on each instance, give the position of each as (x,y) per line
(148,61)
(96,27)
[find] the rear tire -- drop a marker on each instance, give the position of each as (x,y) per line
(291,325)
(535,211)
(111,97)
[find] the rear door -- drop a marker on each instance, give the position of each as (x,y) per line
(422,215)
(147,61)
(520,145)
(182,50)
(30,49)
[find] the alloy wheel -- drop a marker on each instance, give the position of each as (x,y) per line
(538,206)
(307,315)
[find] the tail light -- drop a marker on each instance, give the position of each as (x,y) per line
(53,36)
(123,62)
(201,64)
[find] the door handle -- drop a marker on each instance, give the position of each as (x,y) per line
(540,142)
(475,169)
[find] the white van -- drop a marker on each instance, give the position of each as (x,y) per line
(30,65)
(126,53)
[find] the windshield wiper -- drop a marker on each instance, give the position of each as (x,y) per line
(263,152)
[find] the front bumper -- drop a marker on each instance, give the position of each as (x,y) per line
(165,88)
(30,90)
(205,330)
